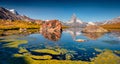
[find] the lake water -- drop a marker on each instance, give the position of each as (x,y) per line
(66,42)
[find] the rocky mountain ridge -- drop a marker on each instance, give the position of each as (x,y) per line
(11,14)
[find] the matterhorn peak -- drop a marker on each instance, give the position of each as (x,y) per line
(75,22)
(74,19)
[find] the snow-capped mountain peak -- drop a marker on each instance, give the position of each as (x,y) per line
(74,19)
(13,11)
(12,14)
(75,22)
(112,21)
(91,23)
(79,21)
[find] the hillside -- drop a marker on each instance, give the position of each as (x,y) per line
(6,14)
(11,14)
(17,24)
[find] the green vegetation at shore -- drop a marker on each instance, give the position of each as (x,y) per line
(18,32)
(17,24)
(65,27)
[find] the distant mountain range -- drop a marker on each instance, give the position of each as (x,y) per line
(112,21)
(75,22)
(11,14)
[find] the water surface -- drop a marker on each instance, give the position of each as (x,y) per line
(66,43)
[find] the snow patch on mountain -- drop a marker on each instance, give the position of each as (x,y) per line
(13,11)
(90,23)
(114,20)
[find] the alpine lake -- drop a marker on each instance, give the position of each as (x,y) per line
(70,46)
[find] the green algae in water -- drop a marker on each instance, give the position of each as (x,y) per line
(68,56)
(25,57)
(44,57)
(15,43)
(98,50)
(22,50)
(107,57)
(46,51)
(117,52)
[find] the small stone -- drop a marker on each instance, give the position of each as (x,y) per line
(80,40)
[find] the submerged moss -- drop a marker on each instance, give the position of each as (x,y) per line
(63,62)
(118,52)
(98,50)
(61,51)
(15,44)
(17,55)
(107,57)
(25,57)
(22,50)
(45,57)
(7,40)
(68,56)
(46,51)
(31,60)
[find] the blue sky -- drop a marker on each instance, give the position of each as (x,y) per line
(86,10)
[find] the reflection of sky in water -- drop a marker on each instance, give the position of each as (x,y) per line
(85,50)
(66,39)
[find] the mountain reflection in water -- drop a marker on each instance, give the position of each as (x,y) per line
(74,32)
(94,35)
(77,32)
(65,46)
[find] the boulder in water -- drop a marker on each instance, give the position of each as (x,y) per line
(51,30)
